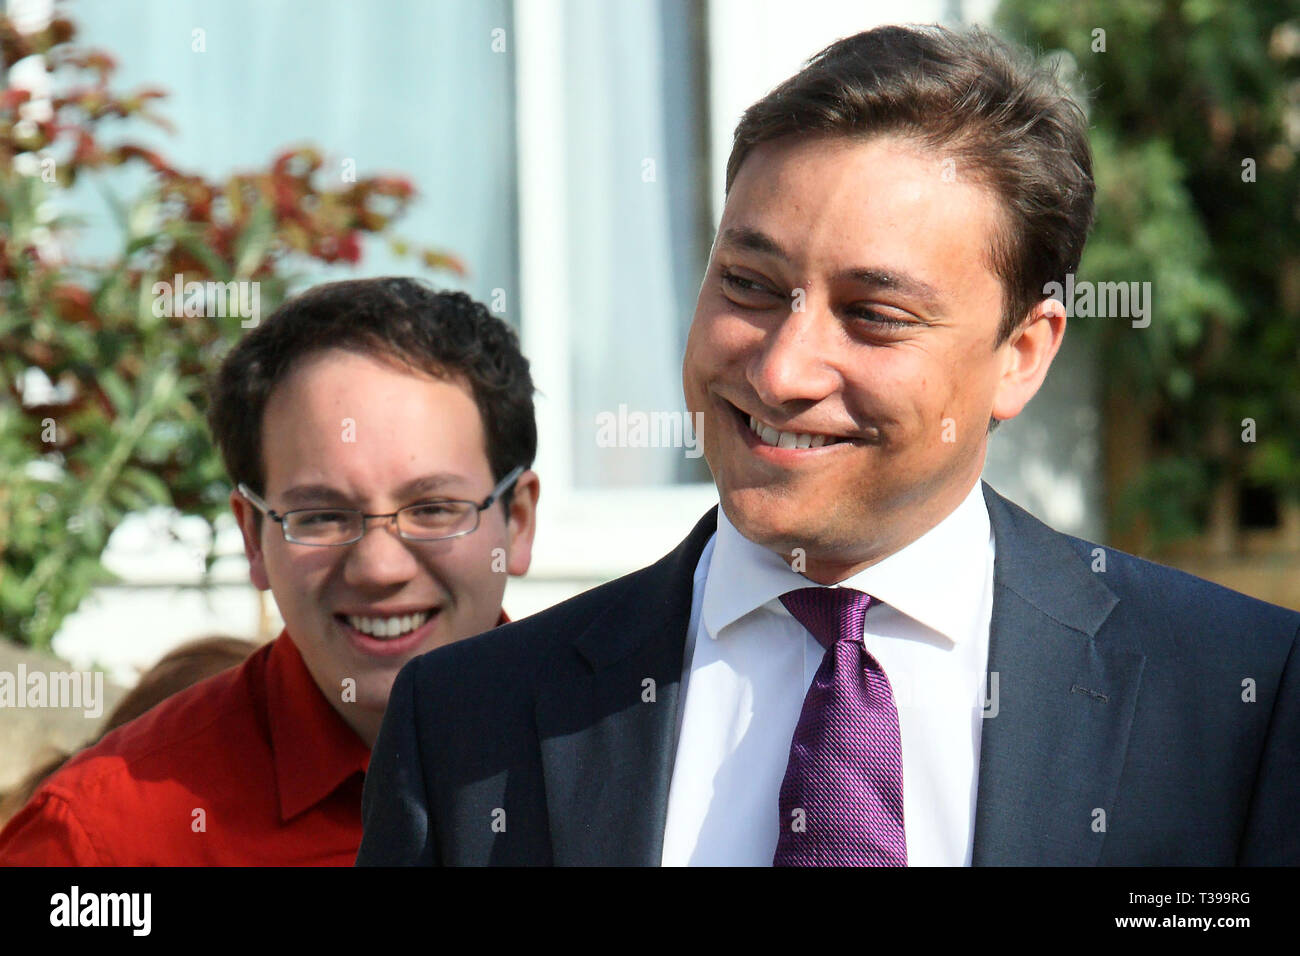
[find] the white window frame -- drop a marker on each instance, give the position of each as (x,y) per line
(585,535)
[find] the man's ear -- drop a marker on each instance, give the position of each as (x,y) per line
(521,523)
(250,527)
(1027,355)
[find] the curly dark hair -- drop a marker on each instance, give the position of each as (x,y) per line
(1006,121)
(444,334)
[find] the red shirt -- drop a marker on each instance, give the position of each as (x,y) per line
(250,767)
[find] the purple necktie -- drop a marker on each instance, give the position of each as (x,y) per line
(842,796)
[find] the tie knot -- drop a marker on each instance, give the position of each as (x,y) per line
(829,614)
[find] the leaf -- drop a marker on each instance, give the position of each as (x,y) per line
(193,243)
(253,243)
(152,489)
(118,392)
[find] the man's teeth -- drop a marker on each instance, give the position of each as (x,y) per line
(388,626)
(770,436)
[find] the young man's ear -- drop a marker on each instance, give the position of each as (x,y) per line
(250,527)
(521,522)
(1028,355)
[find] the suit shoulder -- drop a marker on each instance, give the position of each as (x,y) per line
(1152,598)
(523,643)
(1181,596)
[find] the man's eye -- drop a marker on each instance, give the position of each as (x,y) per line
(745,287)
(436,514)
(321,518)
(880,320)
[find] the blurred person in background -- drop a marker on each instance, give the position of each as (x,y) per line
(379,435)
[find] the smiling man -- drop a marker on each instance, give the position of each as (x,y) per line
(379,435)
(867,656)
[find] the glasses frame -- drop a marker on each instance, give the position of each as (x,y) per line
(479,507)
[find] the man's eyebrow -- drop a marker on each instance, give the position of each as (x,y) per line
(308,495)
(439,481)
(876,279)
(755,240)
(891,280)
(312,494)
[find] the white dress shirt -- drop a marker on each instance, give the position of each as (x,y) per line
(748,665)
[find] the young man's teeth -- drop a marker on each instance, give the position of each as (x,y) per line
(770,436)
(388,626)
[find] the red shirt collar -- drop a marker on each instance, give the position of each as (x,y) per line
(314,748)
(298,713)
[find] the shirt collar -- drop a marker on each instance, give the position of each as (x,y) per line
(298,712)
(932,580)
(314,748)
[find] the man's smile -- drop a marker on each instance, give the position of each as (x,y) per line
(383,632)
(794,441)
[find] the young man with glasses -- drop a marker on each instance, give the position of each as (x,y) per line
(379,435)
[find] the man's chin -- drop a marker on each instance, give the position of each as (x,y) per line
(772,521)
(791,529)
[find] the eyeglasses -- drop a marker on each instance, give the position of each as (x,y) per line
(434,520)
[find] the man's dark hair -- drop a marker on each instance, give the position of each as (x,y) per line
(444,334)
(1006,122)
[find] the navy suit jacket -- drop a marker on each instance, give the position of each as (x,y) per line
(1144,716)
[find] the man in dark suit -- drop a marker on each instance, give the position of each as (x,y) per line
(866,656)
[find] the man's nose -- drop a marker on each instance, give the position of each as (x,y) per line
(381,558)
(793,363)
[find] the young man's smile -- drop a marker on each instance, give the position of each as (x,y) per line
(387,631)
(352,432)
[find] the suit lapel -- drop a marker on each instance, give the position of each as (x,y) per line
(1050,759)
(607,717)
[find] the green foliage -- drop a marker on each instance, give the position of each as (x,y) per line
(1182,95)
(114,423)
